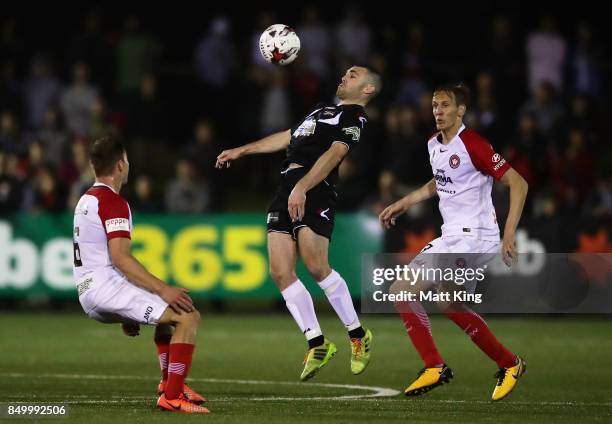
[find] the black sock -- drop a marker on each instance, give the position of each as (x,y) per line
(357,333)
(317,341)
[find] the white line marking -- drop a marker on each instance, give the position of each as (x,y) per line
(377,391)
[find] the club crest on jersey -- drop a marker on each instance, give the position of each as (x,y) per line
(442,179)
(454,161)
(306,128)
(354,132)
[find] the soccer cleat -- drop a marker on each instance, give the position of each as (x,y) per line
(507,379)
(181,404)
(190,394)
(316,358)
(429,378)
(360,353)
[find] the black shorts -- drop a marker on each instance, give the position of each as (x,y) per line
(320,207)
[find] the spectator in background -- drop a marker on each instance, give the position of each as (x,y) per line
(11,186)
(85,177)
(353,38)
(137,54)
(598,202)
(546,56)
(104,123)
(78,100)
(45,194)
(203,150)
(10,137)
(186,193)
(404,147)
(276,105)
(412,84)
(146,116)
(487,120)
(503,58)
(573,172)
(546,109)
(215,57)
(529,153)
(316,43)
(215,62)
(92,46)
(41,91)
(144,200)
(585,62)
(53,137)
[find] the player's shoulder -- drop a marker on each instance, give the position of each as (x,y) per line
(106,196)
(355,114)
(472,139)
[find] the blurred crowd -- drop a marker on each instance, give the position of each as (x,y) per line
(538,94)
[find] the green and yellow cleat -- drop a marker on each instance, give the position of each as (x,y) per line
(429,378)
(507,379)
(316,358)
(360,353)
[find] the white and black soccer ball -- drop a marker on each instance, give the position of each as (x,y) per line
(279,44)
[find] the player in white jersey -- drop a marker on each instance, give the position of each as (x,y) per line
(464,165)
(114,287)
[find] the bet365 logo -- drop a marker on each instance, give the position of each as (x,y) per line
(354,132)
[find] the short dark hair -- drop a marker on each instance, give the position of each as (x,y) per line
(459,91)
(373,78)
(105,153)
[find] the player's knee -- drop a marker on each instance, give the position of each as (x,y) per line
(194,317)
(282,275)
(191,319)
(317,269)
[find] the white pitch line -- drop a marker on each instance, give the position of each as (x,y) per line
(377,391)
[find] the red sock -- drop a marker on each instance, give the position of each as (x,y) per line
(178,367)
(163,349)
(475,327)
(418,328)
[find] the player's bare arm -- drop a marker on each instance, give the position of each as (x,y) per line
(270,144)
(518,193)
(176,297)
(321,169)
(388,216)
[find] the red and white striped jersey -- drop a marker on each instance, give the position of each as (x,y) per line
(464,170)
(100,215)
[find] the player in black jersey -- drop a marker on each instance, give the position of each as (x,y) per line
(301,215)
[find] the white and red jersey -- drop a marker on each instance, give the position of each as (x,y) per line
(464,170)
(100,215)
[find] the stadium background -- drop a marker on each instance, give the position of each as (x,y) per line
(178,87)
(180,84)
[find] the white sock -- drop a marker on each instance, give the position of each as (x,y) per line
(339,296)
(300,305)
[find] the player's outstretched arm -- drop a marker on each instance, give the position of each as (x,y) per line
(321,169)
(176,297)
(270,144)
(518,193)
(388,216)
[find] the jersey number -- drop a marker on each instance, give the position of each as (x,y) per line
(77,254)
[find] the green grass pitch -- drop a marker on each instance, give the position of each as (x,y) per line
(248,367)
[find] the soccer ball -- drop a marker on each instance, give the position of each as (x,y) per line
(279,44)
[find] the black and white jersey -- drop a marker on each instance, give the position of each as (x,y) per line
(326,125)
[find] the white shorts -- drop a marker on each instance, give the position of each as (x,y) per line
(457,252)
(107,296)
